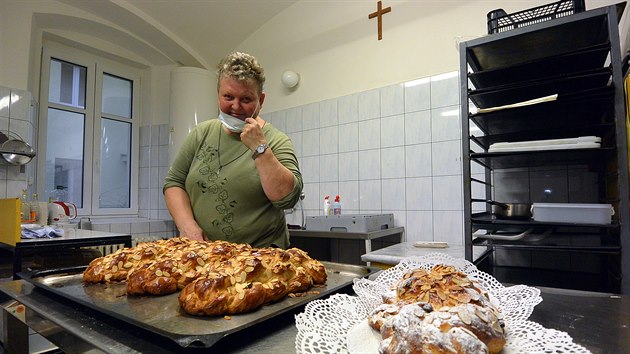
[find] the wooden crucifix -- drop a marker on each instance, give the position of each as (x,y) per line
(380,11)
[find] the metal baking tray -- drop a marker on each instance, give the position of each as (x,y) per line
(162,314)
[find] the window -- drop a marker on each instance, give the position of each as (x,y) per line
(88,131)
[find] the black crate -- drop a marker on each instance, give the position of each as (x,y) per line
(500,21)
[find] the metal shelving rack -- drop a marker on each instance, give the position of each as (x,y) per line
(577,57)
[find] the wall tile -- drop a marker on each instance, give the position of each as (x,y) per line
(309,167)
(549,186)
(311,199)
(392,100)
(447,193)
(145,156)
(369,164)
(418,160)
(417,95)
(328,188)
(143,198)
(369,195)
(393,162)
(349,137)
(369,105)
(392,131)
(310,142)
(447,157)
(310,116)
(329,168)
(419,226)
(348,108)
(162,155)
(329,140)
(328,113)
(445,124)
(349,166)
(165,134)
(20,105)
(445,90)
(349,192)
(449,226)
(5,100)
(279,120)
(393,194)
(418,127)
(145,135)
(155,135)
(296,139)
(144,177)
(370,134)
(419,193)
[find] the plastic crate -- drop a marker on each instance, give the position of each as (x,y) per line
(500,21)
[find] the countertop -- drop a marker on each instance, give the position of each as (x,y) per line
(598,321)
(393,254)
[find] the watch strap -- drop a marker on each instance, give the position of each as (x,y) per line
(260,149)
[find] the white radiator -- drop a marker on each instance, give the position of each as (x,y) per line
(109,249)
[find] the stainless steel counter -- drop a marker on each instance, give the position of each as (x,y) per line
(600,322)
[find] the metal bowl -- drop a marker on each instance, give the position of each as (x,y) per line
(17,152)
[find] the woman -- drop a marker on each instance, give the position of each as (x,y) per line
(234,176)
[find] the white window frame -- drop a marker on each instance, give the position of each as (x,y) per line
(96,68)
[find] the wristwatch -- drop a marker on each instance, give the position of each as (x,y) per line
(259,150)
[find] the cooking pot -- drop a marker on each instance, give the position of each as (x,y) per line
(515,211)
(61,212)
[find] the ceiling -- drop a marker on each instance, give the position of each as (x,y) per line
(188,32)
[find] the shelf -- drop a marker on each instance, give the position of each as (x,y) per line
(487,221)
(592,57)
(537,42)
(500,160)
(561,85)
(580,111)
(549,247)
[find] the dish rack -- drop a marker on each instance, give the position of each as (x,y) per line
(500,21)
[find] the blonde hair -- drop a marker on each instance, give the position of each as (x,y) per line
(241,67)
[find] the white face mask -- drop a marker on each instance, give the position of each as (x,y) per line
(234,124)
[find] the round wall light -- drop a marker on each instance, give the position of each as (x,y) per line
(290,78)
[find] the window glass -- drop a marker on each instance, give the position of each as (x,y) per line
(64,154)
(67,84)
(116,96)
(115,169)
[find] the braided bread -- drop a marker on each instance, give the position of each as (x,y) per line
(437,311)
(216,278)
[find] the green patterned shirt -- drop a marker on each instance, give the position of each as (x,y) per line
(228,202)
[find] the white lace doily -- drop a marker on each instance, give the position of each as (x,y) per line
(324,325)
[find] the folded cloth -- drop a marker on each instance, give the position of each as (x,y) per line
(38,231)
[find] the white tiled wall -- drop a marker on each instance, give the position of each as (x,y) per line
(154,143)
(396,149)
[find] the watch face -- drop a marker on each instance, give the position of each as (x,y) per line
(260,149)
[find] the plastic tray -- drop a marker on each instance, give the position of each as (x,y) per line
(500,21)
(573,213)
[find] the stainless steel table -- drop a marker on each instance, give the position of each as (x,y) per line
(72,238)
(366,236)
(598,321)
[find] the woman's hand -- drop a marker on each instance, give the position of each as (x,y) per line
(178,204)
(193,232)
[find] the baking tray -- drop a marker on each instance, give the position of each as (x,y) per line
(162,315)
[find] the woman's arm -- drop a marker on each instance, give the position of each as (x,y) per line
(178,204)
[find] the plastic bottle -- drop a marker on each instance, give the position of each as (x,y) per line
(327,208)
(337,206)
(25,211)
(59,194)
(34,208)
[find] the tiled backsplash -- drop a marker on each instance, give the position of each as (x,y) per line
(154,143)
(395,149)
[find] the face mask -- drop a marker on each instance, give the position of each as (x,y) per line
(234,124)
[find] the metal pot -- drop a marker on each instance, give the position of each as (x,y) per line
(515,211)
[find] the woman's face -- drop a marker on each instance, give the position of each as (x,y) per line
(239,99)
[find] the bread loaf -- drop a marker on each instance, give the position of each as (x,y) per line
(216,278)
(438,311)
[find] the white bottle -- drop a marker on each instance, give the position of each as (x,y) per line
(337,206)
(327,208)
